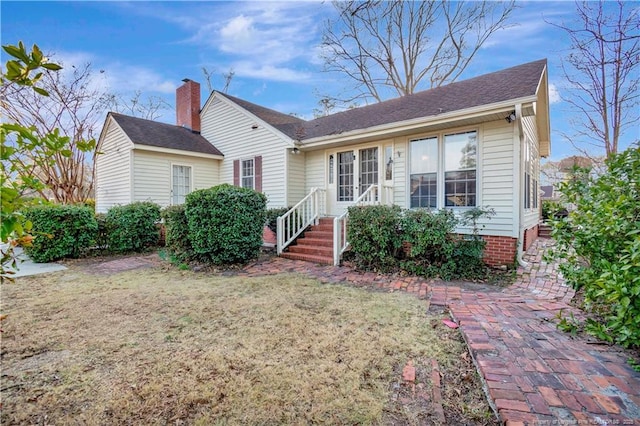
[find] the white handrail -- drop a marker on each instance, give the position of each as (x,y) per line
(340,244)
(307,212)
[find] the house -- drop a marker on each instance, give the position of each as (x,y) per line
(476,142)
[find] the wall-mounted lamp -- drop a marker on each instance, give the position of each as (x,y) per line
(254,126)
(511,117)
(295,151)
(398,153)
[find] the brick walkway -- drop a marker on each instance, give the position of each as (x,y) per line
(533,373)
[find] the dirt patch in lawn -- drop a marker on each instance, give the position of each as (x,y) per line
(158,346)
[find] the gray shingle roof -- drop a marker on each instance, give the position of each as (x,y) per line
(162,135)
(286,123)
(512,83)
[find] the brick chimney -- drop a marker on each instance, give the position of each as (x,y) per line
(188,105)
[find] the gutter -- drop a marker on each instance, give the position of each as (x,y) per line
(408,125)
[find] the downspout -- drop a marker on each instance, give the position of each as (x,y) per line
(520,242)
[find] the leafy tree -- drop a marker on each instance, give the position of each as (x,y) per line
(600,243)
(395,47)
(16,141)
(71,114)
(603,71)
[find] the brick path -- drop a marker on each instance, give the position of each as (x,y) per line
(533,373)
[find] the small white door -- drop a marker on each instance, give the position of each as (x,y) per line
(350,173)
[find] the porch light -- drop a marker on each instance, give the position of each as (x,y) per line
(511,117)
(295,151)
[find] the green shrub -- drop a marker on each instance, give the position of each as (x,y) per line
(419,241)
(70,232)
(226,223)
(104,230)
(374,235)
(177,232)
(133,227)
(550,209)
(272,217)
(600,243)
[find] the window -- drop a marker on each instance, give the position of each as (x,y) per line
(424,168)
(248,173)
(331,168)
(443,171)
(460,156)
(531,171)
(181,185)
(247,178)
(345,176)
(388,163)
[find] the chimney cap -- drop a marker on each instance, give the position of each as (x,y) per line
(186,80)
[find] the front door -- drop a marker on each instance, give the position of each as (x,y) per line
(351,172)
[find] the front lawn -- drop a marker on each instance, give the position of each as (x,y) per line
(158,347)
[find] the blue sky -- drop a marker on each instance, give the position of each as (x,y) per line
(272,48)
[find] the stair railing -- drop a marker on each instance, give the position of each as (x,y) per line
(304,214)
(340,243)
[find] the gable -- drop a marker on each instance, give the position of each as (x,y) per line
(155,135)
(247,115)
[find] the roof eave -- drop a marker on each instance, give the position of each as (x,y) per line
(417,123)
(158,149)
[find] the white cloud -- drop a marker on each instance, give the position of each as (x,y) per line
(269,72)
(115,76)
(277,38)
(554,94)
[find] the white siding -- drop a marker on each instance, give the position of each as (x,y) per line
(230,130)
(315,170)
(400,177)
(152,174)
(296,179)
(496,168)
(112,169)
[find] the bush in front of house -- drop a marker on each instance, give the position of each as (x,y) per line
(374,235)
(418,241)
(272,217)
(226,223)
(61,231)
(133,227)
(599,242)
(177,232)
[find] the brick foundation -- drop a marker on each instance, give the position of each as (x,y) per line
(499,250)
(530,235)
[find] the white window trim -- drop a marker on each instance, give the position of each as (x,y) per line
(241,172)
(191,181)
(440,173)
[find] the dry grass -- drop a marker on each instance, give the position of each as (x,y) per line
(158,347)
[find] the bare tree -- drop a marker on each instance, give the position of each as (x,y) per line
(391,48)
(227,77)
(603,71)
(147,107)
(68,118)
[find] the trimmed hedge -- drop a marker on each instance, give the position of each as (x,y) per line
(226,223)
(132,227)
(177,232)
(61,231)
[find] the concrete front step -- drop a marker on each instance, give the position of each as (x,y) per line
(323,260)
